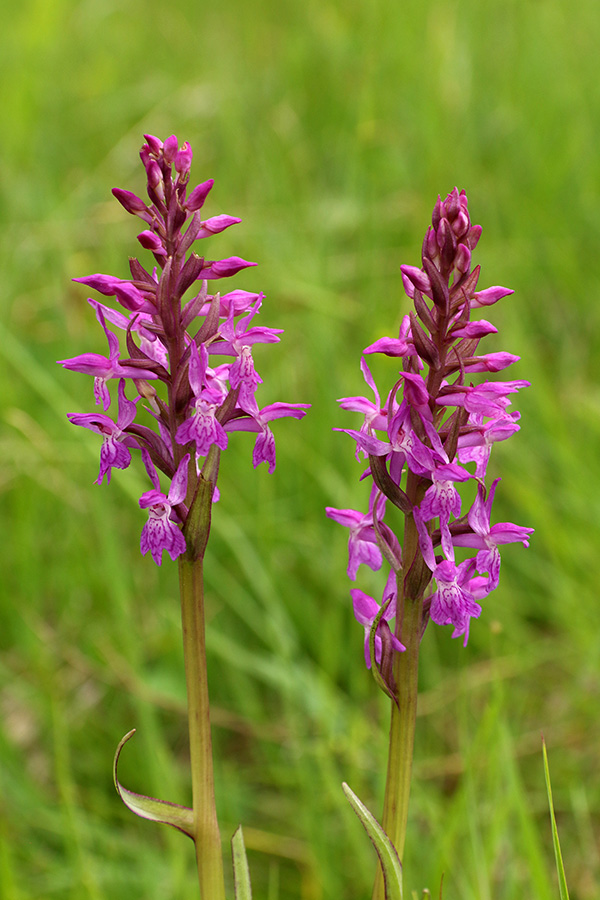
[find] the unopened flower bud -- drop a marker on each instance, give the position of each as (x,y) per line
(154,175)
(198,196)
(461,223)
(462,259)
(151,241)
(490,295)
(170,148)
(222,268)
(183,160)
(154,145)
(414,278)
(130,201)
(452,205)
(216,224)
(447,243)
(430,247)
(474,235)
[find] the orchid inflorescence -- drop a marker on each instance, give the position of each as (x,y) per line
(433,424)
(176,344)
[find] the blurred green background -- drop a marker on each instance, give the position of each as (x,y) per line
(329,127)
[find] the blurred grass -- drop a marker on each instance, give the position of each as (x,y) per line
(330,128)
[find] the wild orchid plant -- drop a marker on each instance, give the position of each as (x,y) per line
(192,404)
(182,407)
(433,424)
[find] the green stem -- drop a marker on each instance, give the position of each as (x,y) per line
(206,829)
(404,713)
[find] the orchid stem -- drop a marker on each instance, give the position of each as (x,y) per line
(403,718)
(207,838)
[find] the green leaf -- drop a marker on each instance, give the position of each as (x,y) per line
(180,817)
(388,857)
(562,881)
(241,872)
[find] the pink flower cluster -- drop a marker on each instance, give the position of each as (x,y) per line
(175,332)
(433,424)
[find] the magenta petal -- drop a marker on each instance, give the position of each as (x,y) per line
(281,410)
(371,445)
(160,534)
(178,488)
(216,224)
(365,607)
(113,455)
(389,346)
(264,449)
(490,295)
(197,197)
(223,268)
(347,517)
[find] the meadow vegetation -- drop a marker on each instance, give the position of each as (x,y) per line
(329,128)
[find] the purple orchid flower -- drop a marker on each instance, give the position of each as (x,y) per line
(366,610)
(114,453)
(488,399)
(202,427)
(443,500)
(401,346)
(264,446)
(487,537)
(362,543)
(453,602)
(476,445)
(103,368)
(160,531)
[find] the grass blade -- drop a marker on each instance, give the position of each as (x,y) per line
(562,881)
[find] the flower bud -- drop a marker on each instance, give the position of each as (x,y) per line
(216,224)
(154,174)
(183,160)
(170,148)
(222,268)
(460,225)
(452,205)
(130,201)
(198,196)
(151,241)
(154,145)
(474,235)
(446,240)
(430,247)
(462,259)
(414,278)
(490,295)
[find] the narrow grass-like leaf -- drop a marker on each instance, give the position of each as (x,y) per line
(388,857)
(241,872)
(560,869)
(162,811)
